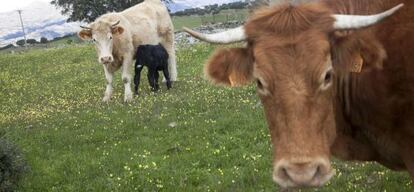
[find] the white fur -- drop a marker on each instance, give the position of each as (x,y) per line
(109,78)
(146,23)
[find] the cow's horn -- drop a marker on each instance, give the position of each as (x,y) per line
(87,28)
(115,24)
(344,22)
(226,37)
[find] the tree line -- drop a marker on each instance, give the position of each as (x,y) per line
(43,40)
(213,9)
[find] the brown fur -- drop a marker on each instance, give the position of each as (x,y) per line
(85,34)
(367,116)
(231,67)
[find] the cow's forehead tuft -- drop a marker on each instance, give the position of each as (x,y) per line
(101,26)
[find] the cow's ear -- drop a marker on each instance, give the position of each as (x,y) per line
(85,34)
(358,52)
(230,67)
(117,30)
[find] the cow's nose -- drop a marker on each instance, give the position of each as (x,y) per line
(302,174)
(107,59)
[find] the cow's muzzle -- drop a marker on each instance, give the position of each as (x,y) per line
(311,173)
(106,59)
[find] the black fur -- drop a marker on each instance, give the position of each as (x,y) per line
(155,57)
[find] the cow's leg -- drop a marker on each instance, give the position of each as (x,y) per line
(126,78)
(137,78)
(151,79)
(409,163)
(109,89)
(157,76)
(169,45)
(408,157)
(167,77)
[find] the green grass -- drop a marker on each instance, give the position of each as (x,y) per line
(50,106)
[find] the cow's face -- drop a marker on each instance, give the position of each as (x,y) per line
(102,34)
(295,84)
(289,54)
(294,74)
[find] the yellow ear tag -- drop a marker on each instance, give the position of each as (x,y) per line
(357,64)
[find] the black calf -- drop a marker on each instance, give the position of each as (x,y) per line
(155,57)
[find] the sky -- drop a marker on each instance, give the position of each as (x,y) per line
(12,5)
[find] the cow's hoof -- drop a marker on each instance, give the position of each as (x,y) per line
(172,80)
(128,98)
(106,99)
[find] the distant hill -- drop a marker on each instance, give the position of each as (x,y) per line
(41,20)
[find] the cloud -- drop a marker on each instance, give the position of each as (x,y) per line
(40,19)
(7,6)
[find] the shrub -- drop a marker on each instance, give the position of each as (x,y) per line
(12,166)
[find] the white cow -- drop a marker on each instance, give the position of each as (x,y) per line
(117,36)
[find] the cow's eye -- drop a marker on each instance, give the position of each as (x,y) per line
(328,76)
(327,79)
(110,37)
(259,84)
(261,88)
(94,40)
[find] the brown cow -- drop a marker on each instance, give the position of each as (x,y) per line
(332,82)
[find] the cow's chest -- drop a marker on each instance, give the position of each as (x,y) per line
(386,147)
(116,65)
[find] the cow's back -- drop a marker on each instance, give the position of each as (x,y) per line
(145,21)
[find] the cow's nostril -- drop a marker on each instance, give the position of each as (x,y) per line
(107,59)
(318,171)
(302,173)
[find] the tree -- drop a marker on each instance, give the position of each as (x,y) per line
(43,40)
(89,10)
(31,41)
(20,42)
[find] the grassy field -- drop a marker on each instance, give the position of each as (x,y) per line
(195,137)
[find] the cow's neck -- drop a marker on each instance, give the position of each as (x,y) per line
(364,128)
